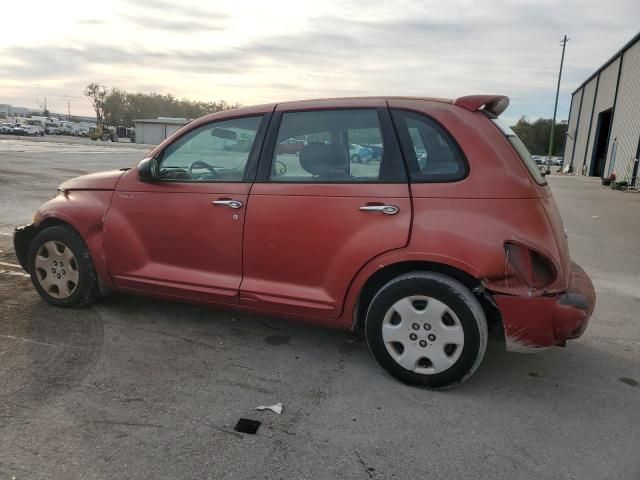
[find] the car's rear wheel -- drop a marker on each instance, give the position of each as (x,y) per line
(61,268)
(427,329)
(355,158)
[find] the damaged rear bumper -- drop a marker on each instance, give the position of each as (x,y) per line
(535,323)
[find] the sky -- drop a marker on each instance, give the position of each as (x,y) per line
(252,51)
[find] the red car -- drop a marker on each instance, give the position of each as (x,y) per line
(452,235)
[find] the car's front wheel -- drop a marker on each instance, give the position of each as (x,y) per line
(355,158)
(61,268)
(427,329)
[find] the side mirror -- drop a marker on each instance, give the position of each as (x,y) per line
(148,170)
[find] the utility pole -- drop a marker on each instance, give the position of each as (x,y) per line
(563,43)
(68,110)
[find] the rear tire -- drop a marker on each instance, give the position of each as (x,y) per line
(355,158)
(427,329)
(61,268)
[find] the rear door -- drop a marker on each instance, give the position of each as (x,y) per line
(318,215)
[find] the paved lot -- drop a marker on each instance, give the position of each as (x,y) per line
(137,388)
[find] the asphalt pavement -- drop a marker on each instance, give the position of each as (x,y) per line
(139,388)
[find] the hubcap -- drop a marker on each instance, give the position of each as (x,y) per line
(431,349)
(56,269)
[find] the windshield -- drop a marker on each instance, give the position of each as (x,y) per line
(522,150)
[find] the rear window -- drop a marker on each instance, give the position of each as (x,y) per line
(522,150)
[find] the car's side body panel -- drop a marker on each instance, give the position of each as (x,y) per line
(303,244)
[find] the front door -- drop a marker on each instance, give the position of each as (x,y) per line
(181,235)
(318,213)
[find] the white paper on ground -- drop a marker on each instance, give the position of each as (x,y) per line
(277,408)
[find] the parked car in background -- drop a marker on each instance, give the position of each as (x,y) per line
(424,258)
(51,129)
(360,154)
(376,151)
(291,146)
(20,130)
(6,128)
(34,130)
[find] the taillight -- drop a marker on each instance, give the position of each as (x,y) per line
(532,268)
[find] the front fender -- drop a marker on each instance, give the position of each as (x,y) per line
(84,211)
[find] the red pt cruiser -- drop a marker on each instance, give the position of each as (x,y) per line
(451,234)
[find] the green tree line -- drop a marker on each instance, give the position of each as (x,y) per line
(117,107)
(535,135)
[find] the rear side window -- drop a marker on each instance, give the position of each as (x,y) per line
(431,153)
(522,150)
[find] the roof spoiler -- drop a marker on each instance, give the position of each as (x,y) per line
(495,104)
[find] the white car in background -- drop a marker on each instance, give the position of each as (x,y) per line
(34,130)
(6,128)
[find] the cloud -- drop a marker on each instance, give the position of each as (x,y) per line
(174,25)
(165,8)
(256,52)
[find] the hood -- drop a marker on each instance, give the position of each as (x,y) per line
(94,181)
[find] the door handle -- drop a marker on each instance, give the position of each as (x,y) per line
(228,203)
(387,209)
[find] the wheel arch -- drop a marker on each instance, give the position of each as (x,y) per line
(382,276)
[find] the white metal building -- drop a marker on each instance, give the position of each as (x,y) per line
(154,130)
(603,134)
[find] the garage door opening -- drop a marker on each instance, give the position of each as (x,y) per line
(600,146)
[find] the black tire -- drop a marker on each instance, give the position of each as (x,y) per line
(87,289)
(355,158)
(458,299)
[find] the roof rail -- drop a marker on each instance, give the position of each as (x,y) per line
(495,104)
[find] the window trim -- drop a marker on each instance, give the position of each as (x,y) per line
(389,139)
(399,115)
(252,160)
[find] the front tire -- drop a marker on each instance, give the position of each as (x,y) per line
(355,158)
(61,268)
(427,329)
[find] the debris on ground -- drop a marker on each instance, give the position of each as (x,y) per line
(277,408)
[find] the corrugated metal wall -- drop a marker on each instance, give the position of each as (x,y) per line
(604,101)
(583,127)
(626,117)
(571,129)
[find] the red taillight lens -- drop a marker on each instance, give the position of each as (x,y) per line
(531,267)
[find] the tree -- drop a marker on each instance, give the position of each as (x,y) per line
(119,107)
(536,135)
(97,95)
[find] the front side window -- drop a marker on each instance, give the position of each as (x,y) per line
(431,153)
(328,146)
(216,152)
